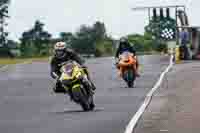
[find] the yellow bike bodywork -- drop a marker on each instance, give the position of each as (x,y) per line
(73,76)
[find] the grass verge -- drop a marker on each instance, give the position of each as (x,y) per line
(7,61)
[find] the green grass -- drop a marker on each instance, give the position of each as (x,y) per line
(8,61)
(148,53)
(4,61)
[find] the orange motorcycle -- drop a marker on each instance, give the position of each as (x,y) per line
(127,68)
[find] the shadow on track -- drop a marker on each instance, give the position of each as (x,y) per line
(76,111)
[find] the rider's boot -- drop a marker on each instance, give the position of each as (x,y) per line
(137,73)
(70,94)
(137,69)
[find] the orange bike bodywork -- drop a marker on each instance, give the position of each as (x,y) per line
(126,61)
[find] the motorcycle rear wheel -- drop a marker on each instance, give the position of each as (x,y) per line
(129,78)
(92,105)
(130,84)
(85,106)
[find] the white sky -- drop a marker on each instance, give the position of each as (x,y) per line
(68,15)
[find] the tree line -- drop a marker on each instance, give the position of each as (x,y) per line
(86,40)
(89,40)
(4,50)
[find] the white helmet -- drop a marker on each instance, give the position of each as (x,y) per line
(60,46)
(60,49)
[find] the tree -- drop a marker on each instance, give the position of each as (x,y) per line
(99,31)
(35,41)
(84,41)
(104,47)
(86,38)
(66,37)
(13,44)
(4,8)
(4,51)
(137,41)
(2,2)
(142,42)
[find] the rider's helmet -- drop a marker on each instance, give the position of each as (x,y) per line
(123,42)
(60,49)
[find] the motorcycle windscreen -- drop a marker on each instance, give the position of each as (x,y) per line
(125,56)
(68,69)
(127,59)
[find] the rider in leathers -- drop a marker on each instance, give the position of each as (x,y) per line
(63,54)
(124,45)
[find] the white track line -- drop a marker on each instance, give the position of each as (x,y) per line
(132,124)
(3,67)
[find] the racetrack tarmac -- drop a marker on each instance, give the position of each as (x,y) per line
(26,105)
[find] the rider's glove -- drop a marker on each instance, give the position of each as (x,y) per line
(54,75)
(116,61)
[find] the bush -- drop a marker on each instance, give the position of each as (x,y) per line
(161,47)
(98,53)
(104,48)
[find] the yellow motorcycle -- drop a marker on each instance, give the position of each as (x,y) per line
(76,83)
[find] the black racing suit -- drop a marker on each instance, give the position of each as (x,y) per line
(121,50)
(55,67)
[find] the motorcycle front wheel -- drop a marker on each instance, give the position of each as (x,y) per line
(85,101)
(88,105)
(92,105)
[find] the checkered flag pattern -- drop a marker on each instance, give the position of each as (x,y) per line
(167,34)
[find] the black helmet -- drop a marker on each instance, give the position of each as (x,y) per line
(124,42)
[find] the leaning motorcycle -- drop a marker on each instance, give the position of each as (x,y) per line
(76,83)
(127,68)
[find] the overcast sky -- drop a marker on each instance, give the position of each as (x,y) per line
(68,15)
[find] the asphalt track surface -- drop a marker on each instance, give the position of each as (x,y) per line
(27,106)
